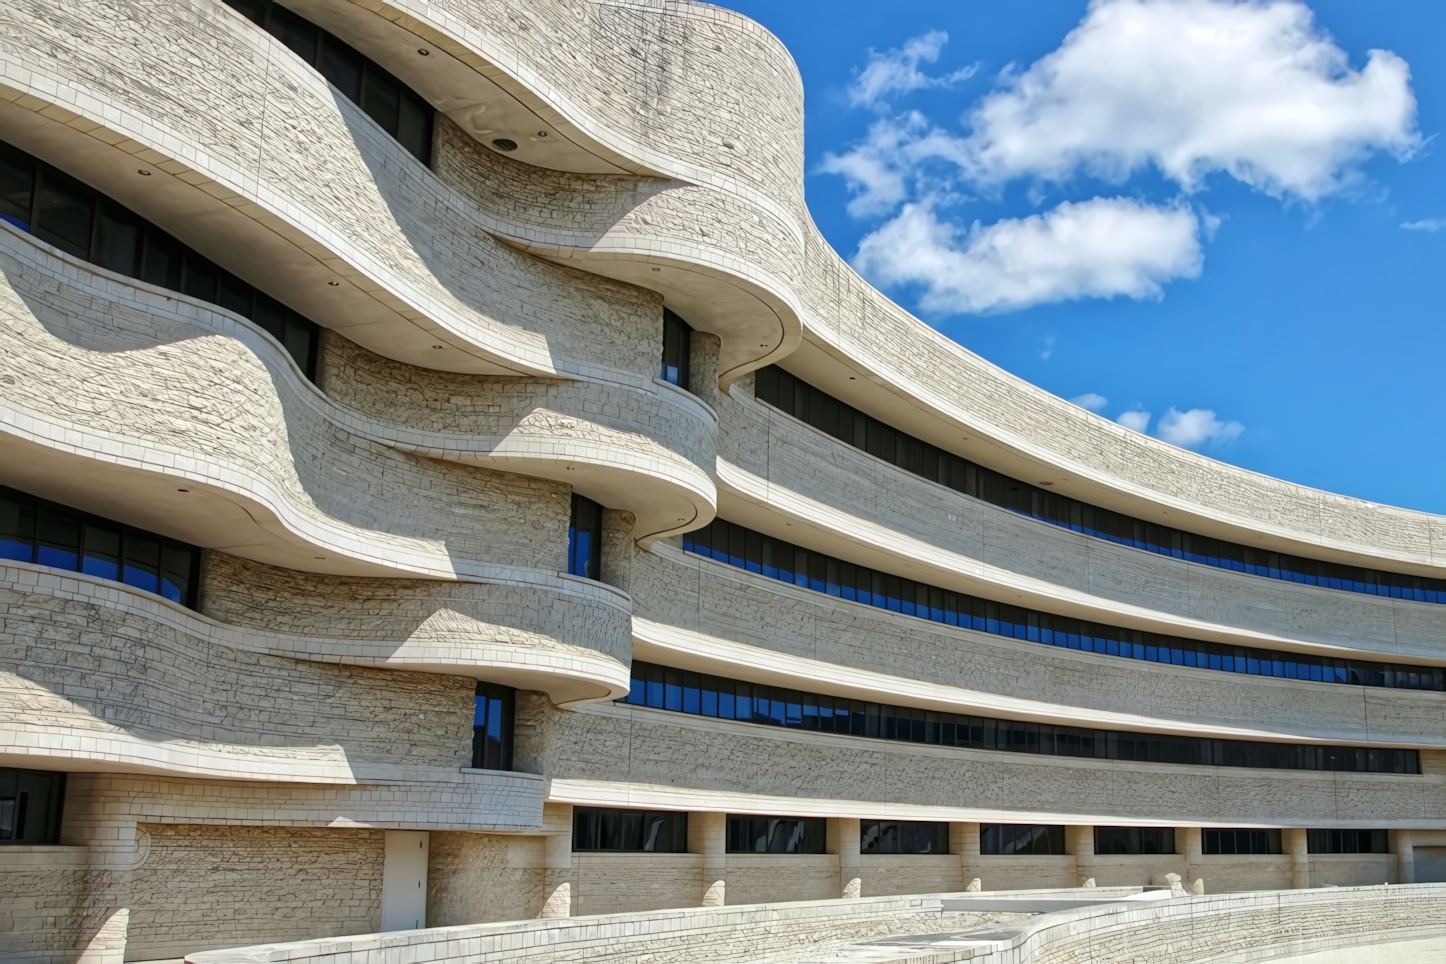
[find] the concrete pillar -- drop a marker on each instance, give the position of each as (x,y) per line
(557,874)
(843,840)
(1294,842)
(1190,842)
(617,547)
(964,842)
(703,367)
(1403,846)
(1080,842)
(708,835)
(404,880)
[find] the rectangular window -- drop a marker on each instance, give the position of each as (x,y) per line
(1255,842)
(1134,840)
(999,839)
(584,539)
(677,347)
(776,835)
(30,807)
(903,837)
(1347,841)
(635,831)
(492,724)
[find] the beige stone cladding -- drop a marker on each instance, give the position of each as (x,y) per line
(140,381)
(203,887)
(842,500)
(643,446)
(613,755)
(196,88)
(697,613)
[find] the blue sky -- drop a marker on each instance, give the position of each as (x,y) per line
(1182,208)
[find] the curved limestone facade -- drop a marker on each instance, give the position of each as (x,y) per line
(516,546)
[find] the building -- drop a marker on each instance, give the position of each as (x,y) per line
(447,478)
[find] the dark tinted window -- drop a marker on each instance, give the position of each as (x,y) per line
(17,187)
(703,694)
(34,530)
(642,831)
(584,539)
(1241,842)
(397,109)
(677,347)
(777,835)
(1348,841)
(806,403)
(903,837)
(86,224)
(492,723)
(30,807)
(730,543)
(999,839)
(1134,840)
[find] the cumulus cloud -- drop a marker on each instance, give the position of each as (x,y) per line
(1135,421)
(1251,88)
(897,71)
(1100,248)
(1430,224)
(1090,400)
(1196,427)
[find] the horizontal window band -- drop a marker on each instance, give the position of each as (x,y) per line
(702,694)
(796,397)
(743,548)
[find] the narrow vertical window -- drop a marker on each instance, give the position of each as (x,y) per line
(584,539)
(492,724)
(677,344)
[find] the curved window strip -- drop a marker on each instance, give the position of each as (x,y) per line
(847,424)
(701,694)
(397,109)
(49,534)
(730,543)
(60,210)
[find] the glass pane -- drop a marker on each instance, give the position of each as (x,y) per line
(59,540)
(381,98)
(414,128)
(200,278)
(270,314)
(64,210)
(102,551)
(142,561)
(236,295)
(161,263)
(294,32)
(17,186)
(298,340)
(118,236)
(341,65)
(17,528)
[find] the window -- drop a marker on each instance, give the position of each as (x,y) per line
(30,805)
(1001,839)
(677,347)
(638,831)
(34,530)
(1241,842)
(58,209)
(1347,841)
(730,543)
(1134,840)
(852,427)
(702,694)
(396,108)
(903,837)
(584,539)
(492,723)
(777,835)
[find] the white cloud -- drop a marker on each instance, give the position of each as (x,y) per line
(1090,400)
(897,71)
(1194,428)
(1251,88)
(1099,248)
(1135,421)
(1430,224)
